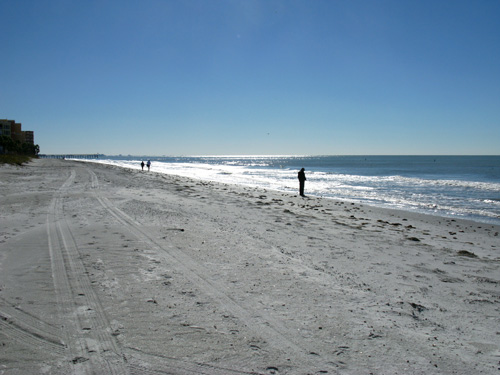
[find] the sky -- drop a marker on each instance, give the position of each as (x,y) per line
(253,77)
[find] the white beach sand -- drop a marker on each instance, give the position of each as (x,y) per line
(112,271)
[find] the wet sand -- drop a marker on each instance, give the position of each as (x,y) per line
(105,270)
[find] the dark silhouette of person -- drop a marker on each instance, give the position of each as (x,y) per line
(142,165)
(148,164)
(302,180)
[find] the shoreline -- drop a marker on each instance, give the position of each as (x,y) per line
(188,276)
(485,220)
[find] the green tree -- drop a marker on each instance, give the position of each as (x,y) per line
(8,144)
(15,147)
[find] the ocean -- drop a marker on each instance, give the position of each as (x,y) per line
(466,187)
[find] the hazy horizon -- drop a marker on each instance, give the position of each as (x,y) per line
(279,155)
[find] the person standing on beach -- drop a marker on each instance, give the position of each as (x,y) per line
(142,165)
(149,164)
(302,180)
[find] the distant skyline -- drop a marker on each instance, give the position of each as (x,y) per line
(244,77)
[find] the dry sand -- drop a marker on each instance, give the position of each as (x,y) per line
(112,271)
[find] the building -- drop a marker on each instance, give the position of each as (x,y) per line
(16,133)
(6,127)
(29,137)
(12,129)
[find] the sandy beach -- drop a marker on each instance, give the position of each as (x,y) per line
(105,270)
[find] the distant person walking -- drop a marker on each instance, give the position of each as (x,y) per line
(142,165)
(149,164)
(302,181)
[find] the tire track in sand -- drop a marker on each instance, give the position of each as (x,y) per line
(262,324)
(88,334)
(174,365)
(30,330)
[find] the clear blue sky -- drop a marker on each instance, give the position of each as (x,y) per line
(198,77)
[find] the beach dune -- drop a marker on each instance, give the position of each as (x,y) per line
(105,270)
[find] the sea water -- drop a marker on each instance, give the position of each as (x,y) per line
(465,187)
